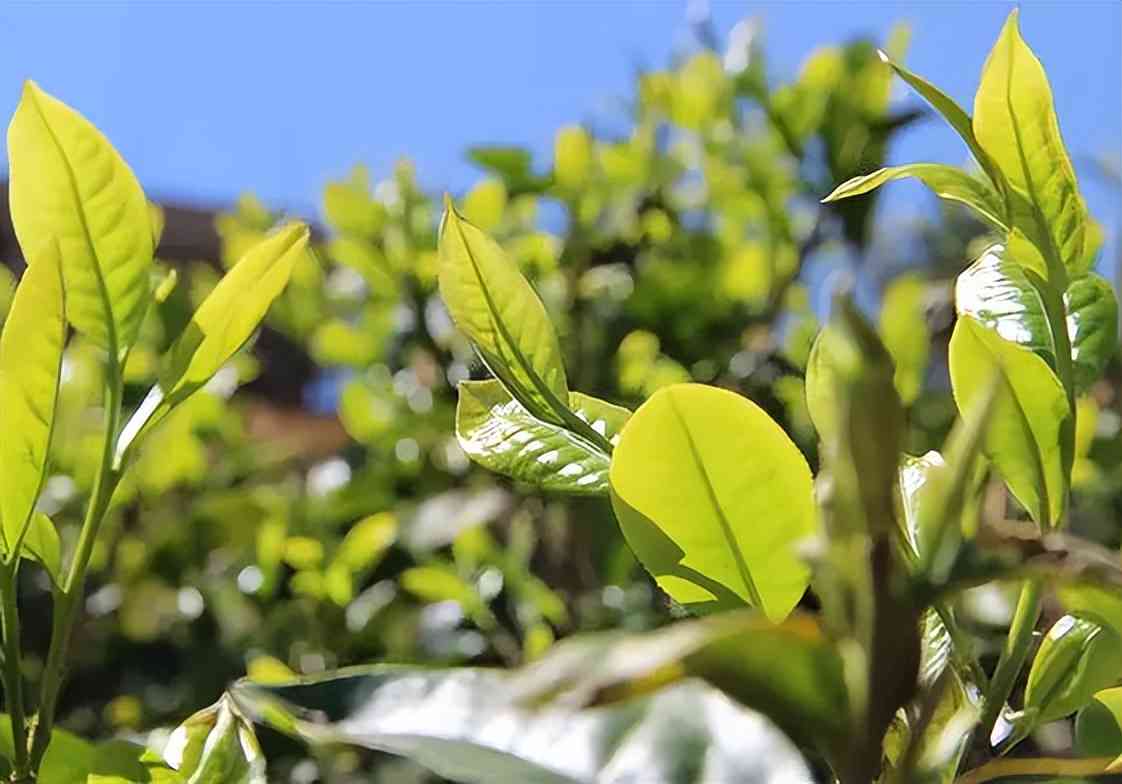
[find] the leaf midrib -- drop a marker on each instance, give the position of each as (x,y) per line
(723,521)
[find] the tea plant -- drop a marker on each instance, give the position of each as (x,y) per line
(87,233)
(720,507)
(885,681)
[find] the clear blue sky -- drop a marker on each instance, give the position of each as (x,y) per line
(209,99)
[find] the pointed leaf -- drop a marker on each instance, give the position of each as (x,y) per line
(1078,657)
(955,116)
(498,433)
(41,543)
(462,725)
(494,305)
(225,320)
(30,362)
(1031,412)
(1092,322)
(69,184)
(1015,122)
(946,181)
(712,497)
(216,746)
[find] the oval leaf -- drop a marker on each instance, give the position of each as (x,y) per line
(712,497)
(494,305)
(1092,322)
(462,725)
(225,320)
(69,185)
(31,349)
(498,433)
(1015,122)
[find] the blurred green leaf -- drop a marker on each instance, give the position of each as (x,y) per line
(216,746)
(458,724)
(1098,727)
(69,186)
(903,328)
(712,497)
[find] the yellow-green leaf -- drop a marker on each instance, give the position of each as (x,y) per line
(1030,414)
(712,497)
(30,362)
(903,329)
(70,186)
(1098,727)
(1015,122)
(41,543)
(946,181)
(1078,657)
(223,323)
(494,305)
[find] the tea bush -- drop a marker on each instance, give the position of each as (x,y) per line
(660,430)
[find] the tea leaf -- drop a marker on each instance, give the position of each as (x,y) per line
(223,323)
(1031,411)
(495,306)
(69,185)
(458,723)
(712,497)
(498,433)
(1015,122)
(31,347)
(1092,322)
(946,181)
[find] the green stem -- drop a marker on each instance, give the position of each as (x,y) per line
(1014,653)
(12,675)
(68,597)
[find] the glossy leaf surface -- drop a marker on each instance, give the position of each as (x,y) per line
(461,725)
(68,185)
(31,348)
(1015,122)
(495,306)
(1092,323)
(1078,657)
(947,182)
(712,497)
(498,433)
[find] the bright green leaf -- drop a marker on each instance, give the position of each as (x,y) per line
(1015,122)
(495,306)
(223,323)
(1092,323)
(499,434)
(713,497)
(31,347)
(68,185)
(41,543)
(1078,657)
(946,181)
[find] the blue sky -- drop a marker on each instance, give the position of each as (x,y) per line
(207,100)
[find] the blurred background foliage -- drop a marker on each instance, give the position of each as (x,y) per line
(312,509)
